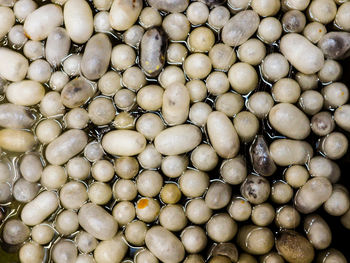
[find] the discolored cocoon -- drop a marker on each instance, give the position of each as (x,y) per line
(96,57)
(13,65)
(66,146)
(335,45)
(64,251)
(78,20)
(261,158)
(285,152)
(42,21)
(288,120)
(178,140)
(123,142)
(15,232)
(57,46)
(176,103)
(153,48)
(240,28)
(171,6)
(255,240)
(294,247)
(301,53)
(97,221)
(24,191)
(222,135)
(16,116)
(76,92)
(164,245)
(312,195)
(37,210)
(124,13)
(16,140)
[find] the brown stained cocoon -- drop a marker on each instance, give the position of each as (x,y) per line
(154,45)
(335,45)
(76,92)
(256,189)
(294,247)
(260,157)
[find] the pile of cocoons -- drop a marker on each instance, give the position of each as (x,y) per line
(146,131)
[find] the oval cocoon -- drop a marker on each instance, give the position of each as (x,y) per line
(286,152)
(124,13)
(240,28)
(96,221)
(57,46)
(67,145)
(37,210)
(16,140)
(178,140)
(15,116)
(112,250)
(39,24)
(164,245)
(124,142)
(13,66)
(176,104)
(25,93)
(96,56)
(222,135)
(301,53)
(313,194)
(171,6)
(78,20)
(288,120)
(7,20)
